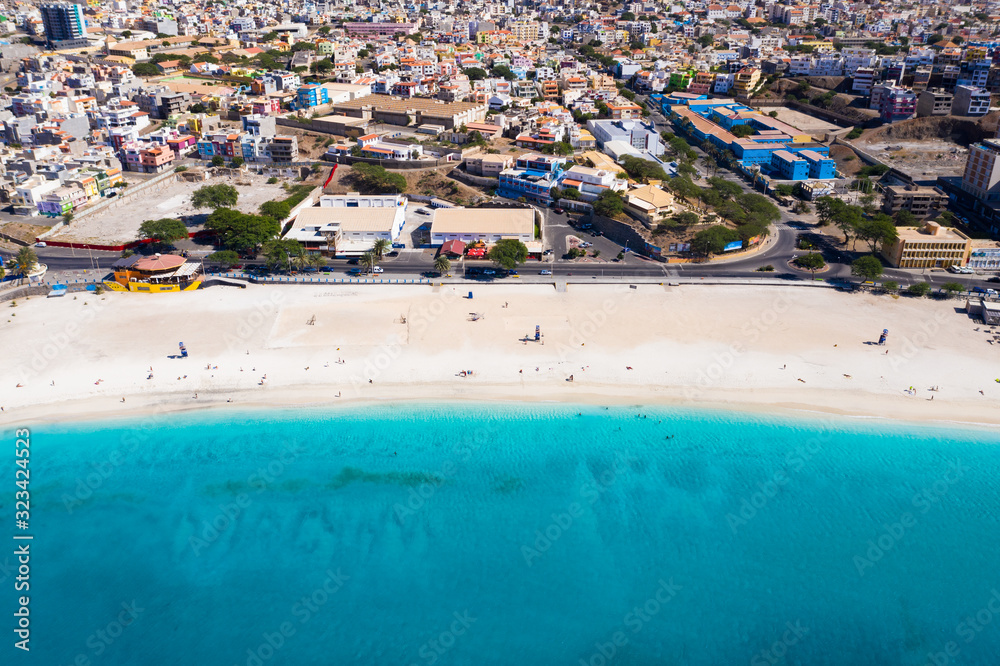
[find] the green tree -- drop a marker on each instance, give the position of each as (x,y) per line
(508,253)
(241,232)
(282,253)
(215,196)
(867,267)
(24,261)
(442,265)
(225,259)
(476,73)
(877,231)
(742,131)
(368,262)
(642,170)
(571,193)
(952,288)
(166,230)
(890,285)
(811,262)
(503,71)
(374,179)
(713,240)
(218,161)
(145,69)
(904,218)
(919,289)
(381,248)
(687,218)
(785,190)
(237,162)
(609,204)
(276,210)
(725,188)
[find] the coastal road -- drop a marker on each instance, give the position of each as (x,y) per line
(67,264)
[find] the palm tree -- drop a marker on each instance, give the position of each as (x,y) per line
(24,261)
(442,265)
(368,261)
(380,248)
(315,261)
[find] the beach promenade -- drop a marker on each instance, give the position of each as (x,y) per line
(779,349)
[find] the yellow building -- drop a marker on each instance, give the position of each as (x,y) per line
(747,80)
(930,246)
(155,274)
(524,31)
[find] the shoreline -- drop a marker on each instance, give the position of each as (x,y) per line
(143,406)
(775,351)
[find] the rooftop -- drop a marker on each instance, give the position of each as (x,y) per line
(503,221)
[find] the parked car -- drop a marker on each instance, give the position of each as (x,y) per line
(560,211)
(954,269)
(423,211)
(994,279)
(545,271)
(377,269)
(394,253)
(40,244)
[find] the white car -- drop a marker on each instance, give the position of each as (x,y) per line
(40,244)
(377,269)
(954,269)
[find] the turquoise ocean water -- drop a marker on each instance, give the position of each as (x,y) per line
(478,535)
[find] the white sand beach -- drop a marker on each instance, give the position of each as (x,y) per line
(769,348)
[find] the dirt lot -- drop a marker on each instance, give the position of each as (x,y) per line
(928,147)
(847,162)
(432,182)
(120,225)
(24,231)
(803,121)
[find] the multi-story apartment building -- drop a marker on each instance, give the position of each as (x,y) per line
(971,101)
(981,178)
(310,95)
(934,103)
(65,26)
(856,58)
(897,104)
(147,158)
(746,81)
(864,80)
(524,31)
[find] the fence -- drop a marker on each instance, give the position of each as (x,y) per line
(623,234)
(469,179)
(315,280)
(388,164)
(125,195)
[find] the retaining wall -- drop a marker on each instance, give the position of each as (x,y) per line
(388,164)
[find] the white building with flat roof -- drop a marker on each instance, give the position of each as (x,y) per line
(482,224)
(345,230)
